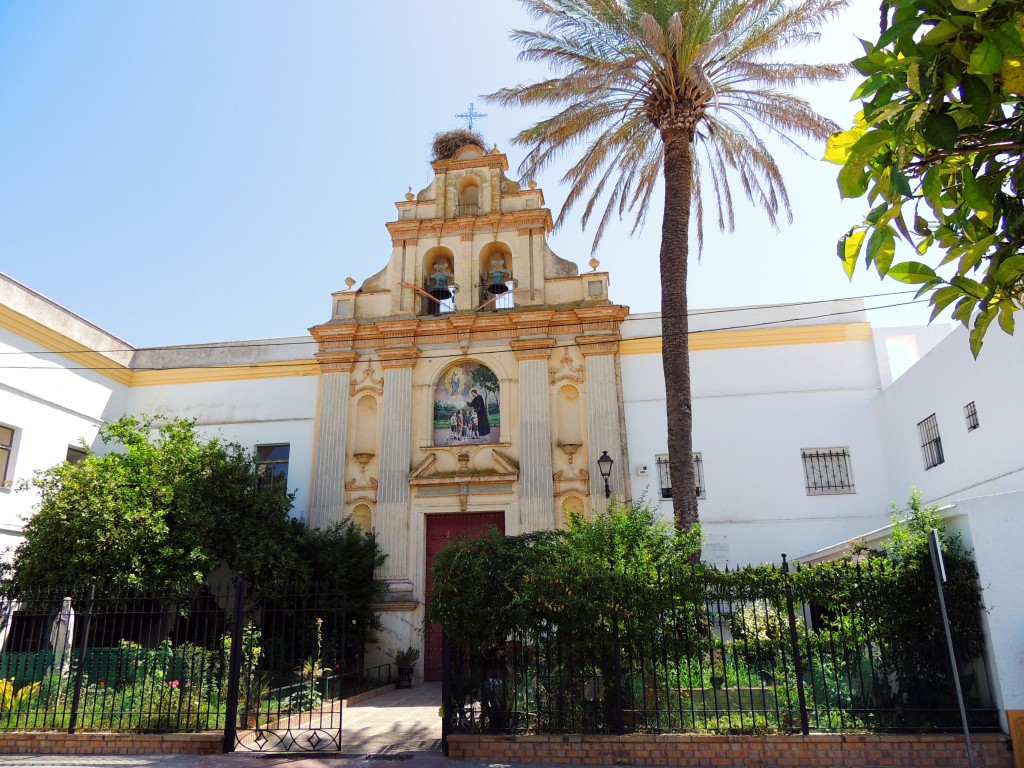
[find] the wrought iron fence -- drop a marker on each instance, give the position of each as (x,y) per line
(260,664)
(700,653)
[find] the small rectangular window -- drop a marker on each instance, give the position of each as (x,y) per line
(666,481)
(6,449)
(272,464)
(75,454)
(827,471)
(971,416)
(931,442)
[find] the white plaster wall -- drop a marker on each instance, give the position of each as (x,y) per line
(250,412)
(52,403)
(986,460)
(754,410)
(993,526)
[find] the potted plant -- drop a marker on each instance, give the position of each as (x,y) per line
(405,661)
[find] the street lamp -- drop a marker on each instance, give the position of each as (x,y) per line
(604,464)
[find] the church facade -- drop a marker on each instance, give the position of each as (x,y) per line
(477,379)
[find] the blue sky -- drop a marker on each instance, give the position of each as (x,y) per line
(182,172)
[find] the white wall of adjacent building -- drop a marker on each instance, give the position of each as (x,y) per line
(991,527)
(250,412)
(755,409)
(50,402)
(986,460)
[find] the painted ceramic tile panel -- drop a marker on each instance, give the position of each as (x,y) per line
(467,406)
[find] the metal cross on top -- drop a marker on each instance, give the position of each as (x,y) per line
(471,115)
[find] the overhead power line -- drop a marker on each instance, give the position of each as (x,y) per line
(523,328)
(437,354)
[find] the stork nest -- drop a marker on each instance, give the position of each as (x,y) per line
(447,143)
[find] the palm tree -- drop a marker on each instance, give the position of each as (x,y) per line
(679,89)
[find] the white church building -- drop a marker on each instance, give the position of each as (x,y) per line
(478,377)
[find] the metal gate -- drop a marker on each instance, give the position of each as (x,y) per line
(287,670)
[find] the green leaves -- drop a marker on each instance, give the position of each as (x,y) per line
(940,33)
(912,272)
(940,130)
(986,58)
(881,249)
(152,512)
(971,6)
(1011,269)
(939,139)
(849,250)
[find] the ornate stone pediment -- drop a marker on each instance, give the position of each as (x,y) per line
(472,470)
(366,380)
(567,370)
(361,490)
(567,480)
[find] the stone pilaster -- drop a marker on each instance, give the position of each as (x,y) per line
(604,433)
(392,521)
(327,504)
(536,488)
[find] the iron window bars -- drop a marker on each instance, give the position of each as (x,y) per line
(827,471)
(666,481)
(6,445)
(971,416)
(931,442)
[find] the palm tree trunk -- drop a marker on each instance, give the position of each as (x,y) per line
(675,345)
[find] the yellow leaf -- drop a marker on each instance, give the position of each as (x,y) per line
(1012,71)
(840,143)
(27,692)
(6,695)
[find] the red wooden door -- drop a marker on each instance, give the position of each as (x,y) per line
(440,528)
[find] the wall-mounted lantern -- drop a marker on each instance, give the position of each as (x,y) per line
(604,464)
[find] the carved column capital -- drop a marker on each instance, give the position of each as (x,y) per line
(532,349)
(397,333)
(398,357)
(599,344)
(336,362)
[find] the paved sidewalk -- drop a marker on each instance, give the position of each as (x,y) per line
(402,722)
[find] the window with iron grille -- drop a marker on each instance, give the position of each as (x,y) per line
(272,464)
(827,471)
(666,481)
(6,447)
(971,416)
(931,443)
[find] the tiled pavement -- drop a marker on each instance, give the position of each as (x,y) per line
(402,723)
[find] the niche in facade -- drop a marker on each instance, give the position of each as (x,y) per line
(438,282)
(571,505)
(362,516)
(366,428)
(570,419)
(469,197)
(496,282)
(467,406)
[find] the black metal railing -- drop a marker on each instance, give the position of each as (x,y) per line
(699,652)
(113,660)
(262,664)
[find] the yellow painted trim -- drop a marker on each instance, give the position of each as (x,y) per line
(78,353)
(58,342)
(239,372)
(757,337)
(1015,721)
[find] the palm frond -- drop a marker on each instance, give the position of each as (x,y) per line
(625,69)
